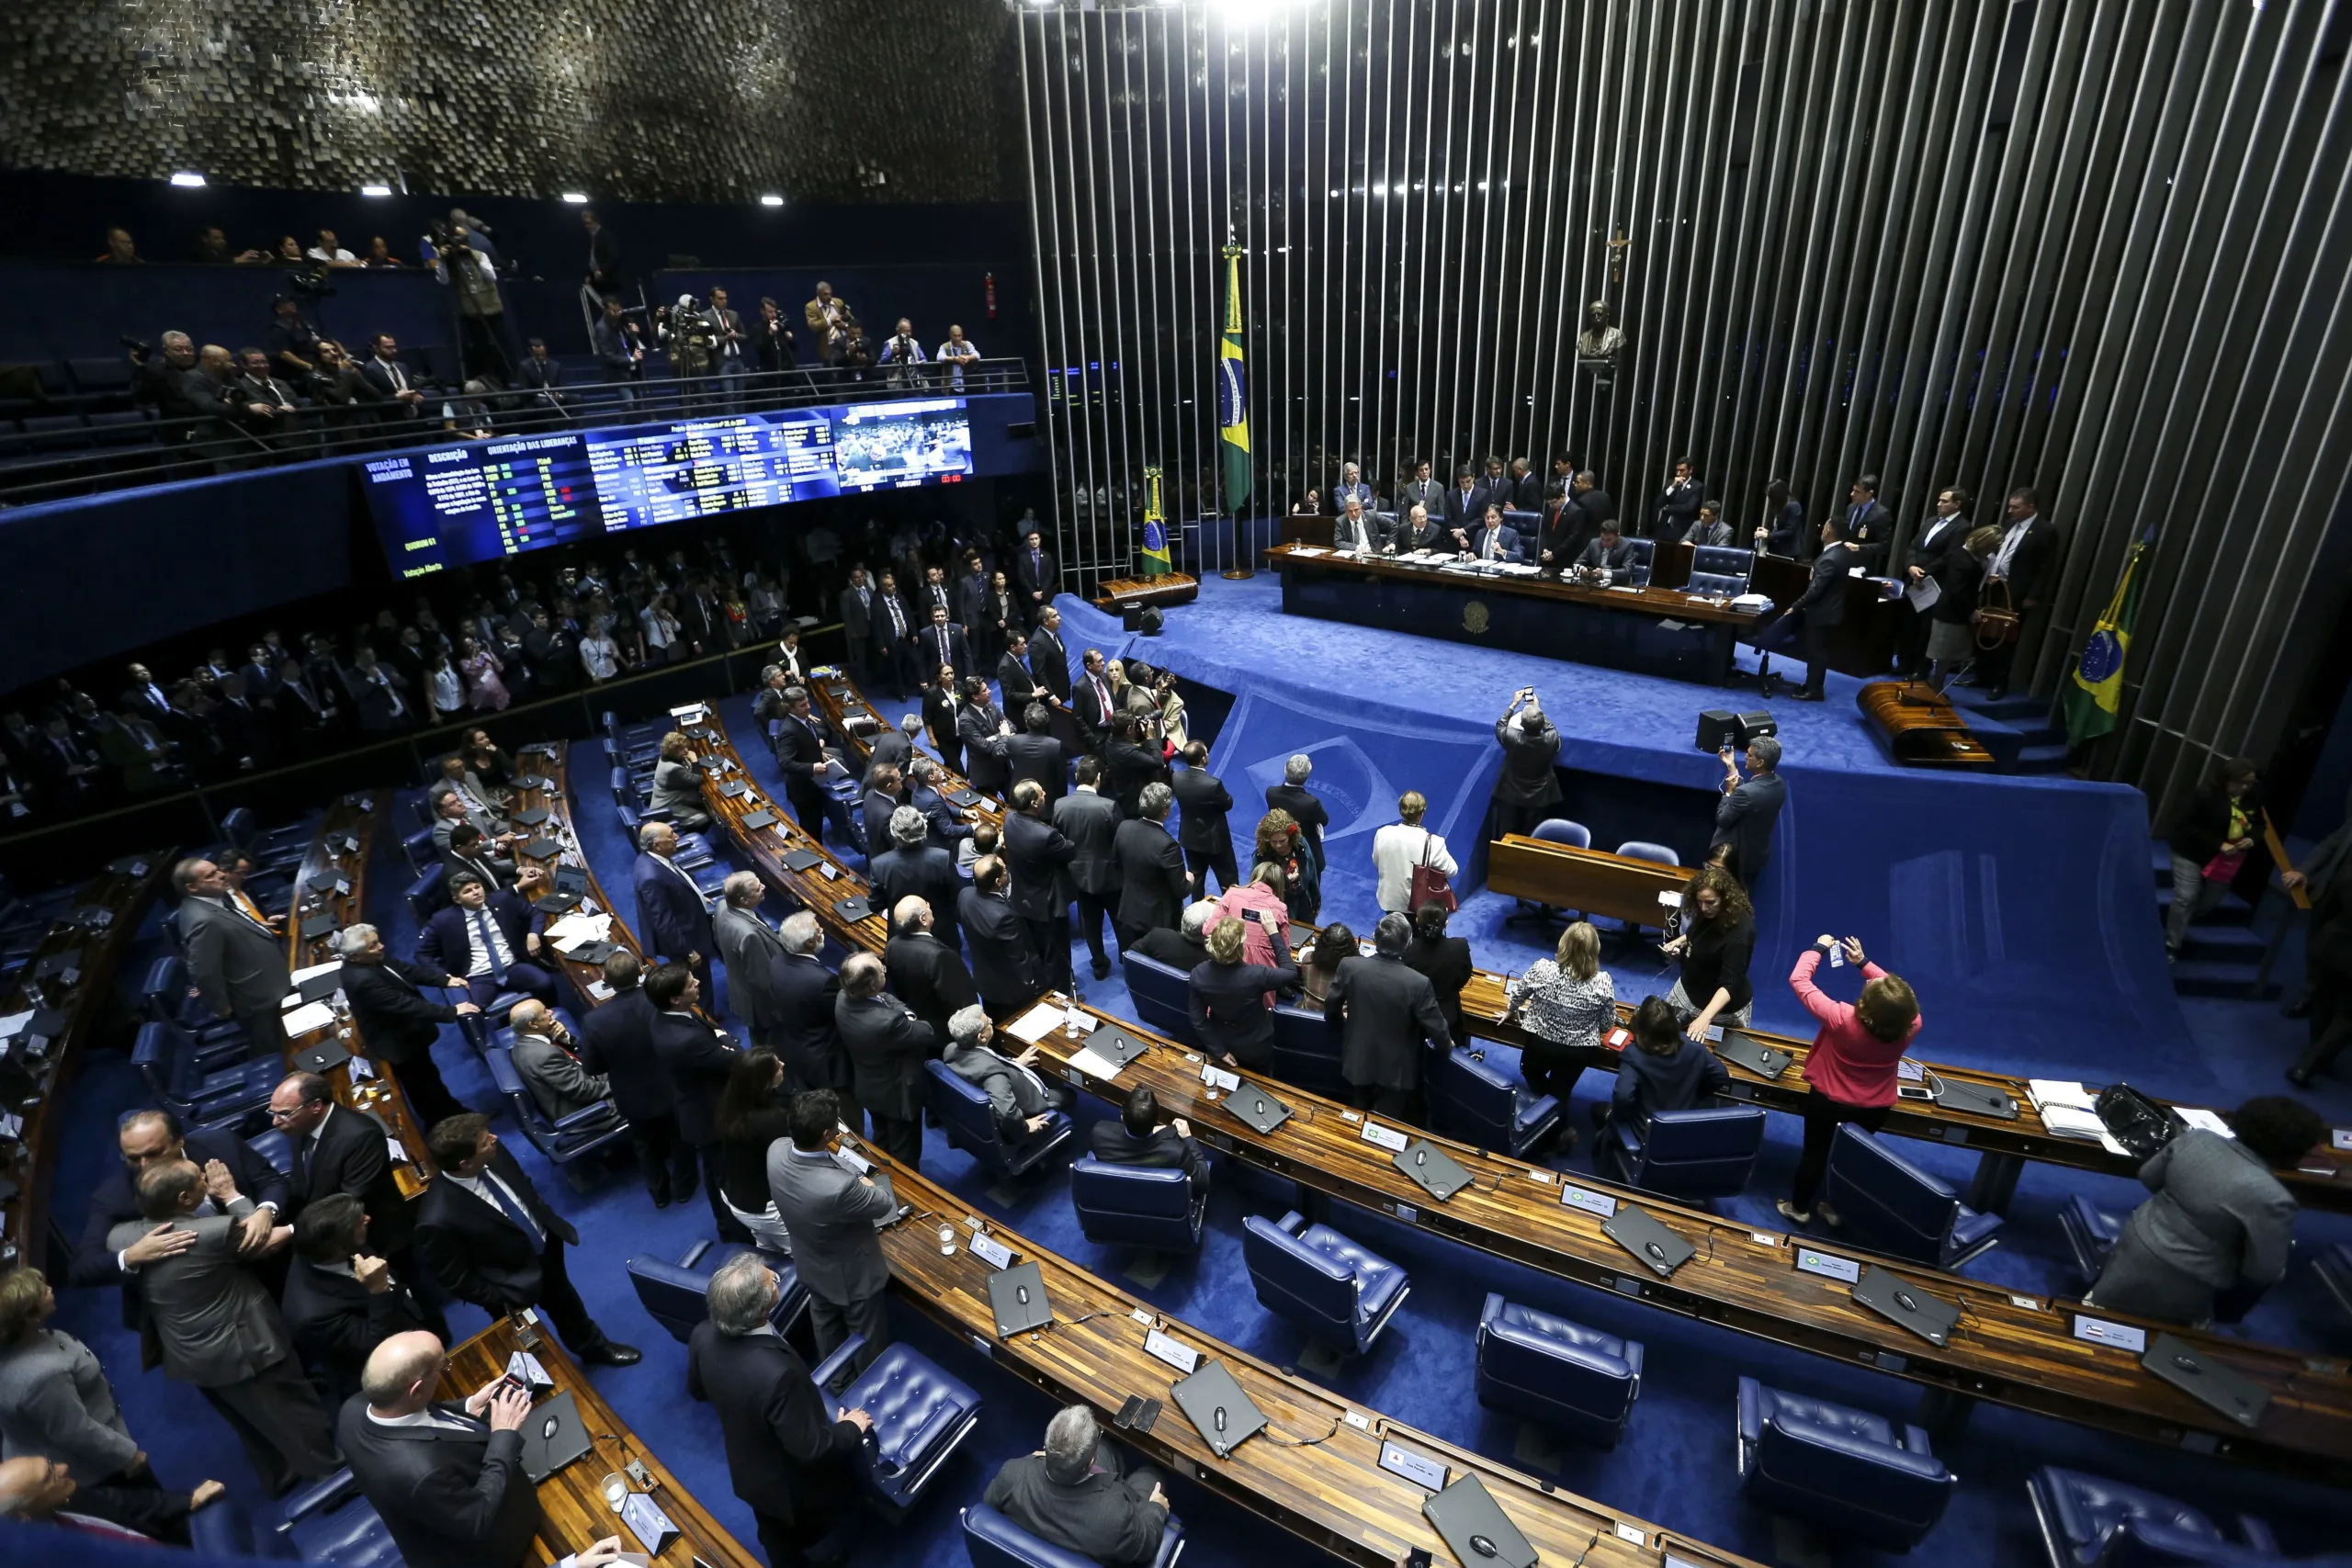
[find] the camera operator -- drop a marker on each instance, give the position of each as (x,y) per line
(901,353)
(779,353)
(293,342)
(687,336)
(481,313)
(620,348)
(160,379)
(828,317)
(727,338)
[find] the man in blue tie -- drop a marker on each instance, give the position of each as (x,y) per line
(485,940)
(1035,575)
(1870,527)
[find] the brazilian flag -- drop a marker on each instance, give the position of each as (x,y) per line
(1156,561)
(2095,697)
(1233,391)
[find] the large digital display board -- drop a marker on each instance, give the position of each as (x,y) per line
(440,507)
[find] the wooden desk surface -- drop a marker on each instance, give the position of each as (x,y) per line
(572,1499)
(845,709)
(123,890)
(551,761)
(2010,1348)
(354,817)
(1668,601)
(1331,1494)
(1594,881)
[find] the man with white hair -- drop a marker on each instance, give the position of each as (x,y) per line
(887,1045)
(1292,795)
(1352,488)
(547,1059)
(1188,947)
(789,1458)
(398,1020)
(750,948)
(1022,1102)
(1070,1493)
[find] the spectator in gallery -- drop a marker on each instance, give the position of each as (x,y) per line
(267,405)
(212,247)
(293,342)
(830,319)
(481,668)
(1310,506)
(120,251)
(380,255)
(778,350)
(956,353)
(330,251)
(541,372)
(899,351)
(619,355)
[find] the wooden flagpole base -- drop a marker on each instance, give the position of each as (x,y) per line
(1238,574)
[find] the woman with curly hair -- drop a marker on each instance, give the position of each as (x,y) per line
(1717,942)
(1279,842)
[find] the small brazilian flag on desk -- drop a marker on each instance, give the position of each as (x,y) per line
(2095,694)
(1233,392)
(1155,561)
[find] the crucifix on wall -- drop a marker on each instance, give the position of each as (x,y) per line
(1617,255)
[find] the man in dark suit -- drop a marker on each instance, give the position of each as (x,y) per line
(490,1239)
(982,728)
(1065,1493)
(1593,504)
(1678,505)
(925,973)
(1305,807)
(858,609)
(1131,763)
(831,1213)
(750,948)
(1016,687)
(1608,551)
(1186,948)
(1750,808)
(397,1020)
(1529,781)
(1093,705)
(1943,535)
(1004,966)
(466,848)
(341,1301)
(1136,1137)
(788,1459)
(485,940)
(1153,882)
(1038,855)
(1466,503)
(1808,623)
(1869,527)
(895,746)
(887,1045)
(942,641)
(1382,1010)
(397,399)
(235,961)
(152,1137)
(1036,576)
(895,658)
(1090,820)
(809,753)
(697,1055)
(445,1478)
(885,792)
(1048,658)
(1207,842)
(336,1149)
(1035,753)
(672,918)
(2023,569)
(616,1044)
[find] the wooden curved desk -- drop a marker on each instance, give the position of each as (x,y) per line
(340,849)
(549,790)
(99,926)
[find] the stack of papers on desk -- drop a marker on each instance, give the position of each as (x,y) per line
(307,1017)
(2210,1121)
(1310,550)
(579,930)
(1041,1021)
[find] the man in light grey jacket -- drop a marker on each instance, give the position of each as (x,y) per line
(545,1059)
(832,1212)
(751,950)
(220,1330)
(237,963)
(1024,1103)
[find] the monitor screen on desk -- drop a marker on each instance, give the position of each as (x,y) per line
(477,501)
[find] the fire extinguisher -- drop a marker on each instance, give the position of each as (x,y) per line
(988,279)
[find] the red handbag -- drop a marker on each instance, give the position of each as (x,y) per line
(1430,885)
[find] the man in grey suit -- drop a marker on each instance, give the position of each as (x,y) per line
(237,963)
(546,1060)
(219,1329)
(1384,1009)
(1750,808)
(887,1045)
(1021,1101)
(1090,820)
(751,950)
(831,1213)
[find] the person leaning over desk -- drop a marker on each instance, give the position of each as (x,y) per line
(1851,1068)
(1717,943)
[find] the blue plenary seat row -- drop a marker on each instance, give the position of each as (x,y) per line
(2089,1521)
(672,1294)
(1343,1294)
(991,1541)
(1853,1473)
(1135,1205)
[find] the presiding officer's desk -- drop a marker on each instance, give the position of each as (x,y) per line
(68,986)
(1329,1493)
(1594,881)
(332,881)
(2013,1349)
(572,1501)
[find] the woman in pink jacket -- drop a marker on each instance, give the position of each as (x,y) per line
(1850,1069)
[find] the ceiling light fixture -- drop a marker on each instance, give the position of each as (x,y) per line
(188,179)
(577,198)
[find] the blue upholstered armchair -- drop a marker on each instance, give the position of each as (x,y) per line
(1573,1380)
(920,1414)
(1339,1291)
(2088,1521)
(994,1541)
(1854,1475)
(1887,1203)
(1135,1205)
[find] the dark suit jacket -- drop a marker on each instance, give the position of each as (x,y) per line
(1131,767)
(876,807)
(350,1157)
(1449,966)
(1384,1010)
(1049,662)
(1038,854)
(1004,966)
(857,624)
(1090,820)
(1230,1011)
(959,647)
(450,1499)
(1823,603)
(1041,575)
(1676,510)
(1464,509)
(697,1059)
(475,1253)
(1093,719)
(931,978)
(1204,799)
(977,726)
(1037,757)
(1528,777)
(808,994)
(2032,563)
(927,873)
(800,753)
(1308,811)
(1598,554)
(447,942)
(335,1321)
(396,1018)
(886,1046)
(1172,948)
(616,1044)
(1165,1149)
(1097,1517)
(1932,556)
(1868,534)
(1744,820)
(1016,688)
(671,917)
(1152,886)
(786,1454)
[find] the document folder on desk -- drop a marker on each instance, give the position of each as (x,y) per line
(1253,1105)
(1639,1233)
(852,909)
(2206,1380)
(1740,1051)
(1017,1297)
(1215,1405)
(1431,1167)
(1929,1317)
(1475,1526)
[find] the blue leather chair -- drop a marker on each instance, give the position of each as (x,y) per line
(1162,995)
(672,1294)
(1853,1474)
(427,893)
(276,849)
(1703,1153)
(1560,830)
(235,1097)
(579,1137)
(1645,555)
(964,1112)
(1562,1375)
(1306,1053)
(2088,1521)
(1642,849)
(2335,1267)
(1887,1203)
(276,1148)
(1136,1206)
(920,1414)
(418,848)
(329,1522)
(162,995)
(1719,571)
(1477,1102)
(991,1541)
(1337,1291)
(2091,1233)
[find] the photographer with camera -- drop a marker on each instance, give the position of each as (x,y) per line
(779,355)
(620,350)
(688,335)
(481,313)
(830,319)
(900,352)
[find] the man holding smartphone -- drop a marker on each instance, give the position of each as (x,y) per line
(1528,784)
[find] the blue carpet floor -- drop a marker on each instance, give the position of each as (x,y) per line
(1675,1465)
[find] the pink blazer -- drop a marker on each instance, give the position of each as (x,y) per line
(1849,1063)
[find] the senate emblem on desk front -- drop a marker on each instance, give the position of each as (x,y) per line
(1473,616)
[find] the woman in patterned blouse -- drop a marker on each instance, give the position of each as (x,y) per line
(1564,1001)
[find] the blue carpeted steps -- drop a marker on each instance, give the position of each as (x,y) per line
(2018,729)
(2222,954)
